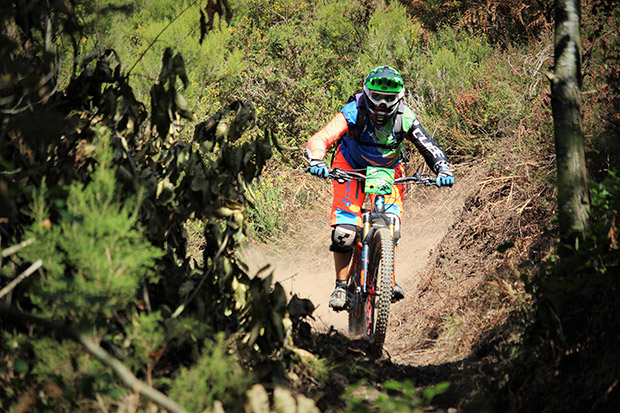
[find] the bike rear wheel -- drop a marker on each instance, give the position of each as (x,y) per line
(380,286)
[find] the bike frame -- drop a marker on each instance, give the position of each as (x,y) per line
(362,293)
(369,219)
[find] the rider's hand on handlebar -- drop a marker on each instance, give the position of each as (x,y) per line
(445,177)
(318,168)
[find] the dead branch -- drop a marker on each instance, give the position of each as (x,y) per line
(126,376)
(12,250)
(29,271)
(501,178)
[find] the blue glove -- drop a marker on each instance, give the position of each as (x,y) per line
(445,177)
(318,168)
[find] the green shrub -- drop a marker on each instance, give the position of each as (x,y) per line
(395,396)
(390,39)
(216,376)
(266,213)
(472,95)
(96,257)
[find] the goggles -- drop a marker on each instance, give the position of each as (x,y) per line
(377,98)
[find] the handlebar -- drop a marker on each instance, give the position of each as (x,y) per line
(342,176)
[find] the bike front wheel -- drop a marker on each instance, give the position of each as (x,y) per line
(380,286)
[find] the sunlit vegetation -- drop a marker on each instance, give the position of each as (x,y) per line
(126,127)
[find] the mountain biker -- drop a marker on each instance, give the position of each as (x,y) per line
(373,125)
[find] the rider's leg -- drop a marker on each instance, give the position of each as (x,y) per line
(341,262)
(346,220)
(344,238)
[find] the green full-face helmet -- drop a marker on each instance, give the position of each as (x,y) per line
(384,89)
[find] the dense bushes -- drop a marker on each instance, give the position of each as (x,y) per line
(304,60)
(96,201)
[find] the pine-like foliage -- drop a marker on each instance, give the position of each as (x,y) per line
(96,256)
(96,200)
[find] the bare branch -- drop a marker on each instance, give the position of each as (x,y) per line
(12,250)
(29,271)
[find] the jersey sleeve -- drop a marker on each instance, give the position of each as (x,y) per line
(433,155)
(319,142)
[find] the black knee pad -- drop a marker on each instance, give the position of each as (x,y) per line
(344,237)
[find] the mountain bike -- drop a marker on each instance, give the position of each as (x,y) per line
(371,273)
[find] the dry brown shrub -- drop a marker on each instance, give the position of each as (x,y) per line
(500,20)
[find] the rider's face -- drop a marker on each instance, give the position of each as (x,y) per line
(381,104)
(380,115)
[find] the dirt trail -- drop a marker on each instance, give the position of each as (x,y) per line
(304,266)
(428,217)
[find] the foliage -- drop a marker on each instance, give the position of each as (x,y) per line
(397,396)
(503,21)
(59,371)
(391,37)
(95,259)
(266,213)
(109,196)
(570,346)
(457,83)
(215,376)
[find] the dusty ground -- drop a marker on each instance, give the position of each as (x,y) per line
(460,290)
(304,265)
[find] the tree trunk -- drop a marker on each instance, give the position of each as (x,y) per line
(573,194)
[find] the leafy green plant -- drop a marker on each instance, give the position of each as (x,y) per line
(391,38)
(216,376)
(395,396)
(95,258)
(459,97)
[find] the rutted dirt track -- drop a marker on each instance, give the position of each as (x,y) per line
(304,266)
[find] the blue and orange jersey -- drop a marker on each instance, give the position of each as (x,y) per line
(360,155)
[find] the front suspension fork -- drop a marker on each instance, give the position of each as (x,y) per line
(365,248)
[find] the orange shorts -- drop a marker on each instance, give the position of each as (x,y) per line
(349,197)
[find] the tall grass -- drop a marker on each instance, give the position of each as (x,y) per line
(266,215)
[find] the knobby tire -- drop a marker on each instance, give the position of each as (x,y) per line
(380,278)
